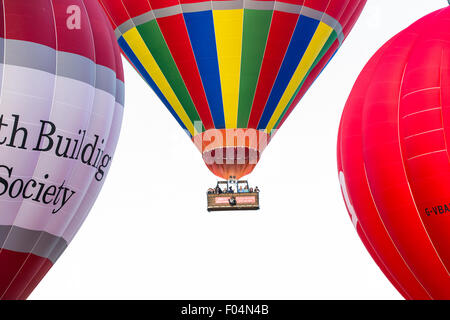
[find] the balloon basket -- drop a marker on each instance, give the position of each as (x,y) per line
(232,195)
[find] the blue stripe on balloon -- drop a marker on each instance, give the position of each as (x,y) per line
(144,74)
(200,26)
(303,33)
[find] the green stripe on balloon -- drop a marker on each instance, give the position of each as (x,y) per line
(256,30)
(324,50)
(154,39)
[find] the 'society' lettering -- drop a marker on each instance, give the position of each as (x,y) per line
(88,150)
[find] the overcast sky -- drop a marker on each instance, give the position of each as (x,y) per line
(149,235)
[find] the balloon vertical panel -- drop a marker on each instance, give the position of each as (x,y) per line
(423,127)
(399,157)
(166,74)
(388,182)
(313,31)
(355,186)
(302,36)
(23,102)
(63,84)
(327,52)
(198,16)
(230,63)
(317,45)
(347,16)
(281,30)
(143,43)
(169,15)
(256,27)
(228,24)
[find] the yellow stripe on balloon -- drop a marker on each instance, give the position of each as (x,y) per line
(319,39)
(140,49)
(228,26)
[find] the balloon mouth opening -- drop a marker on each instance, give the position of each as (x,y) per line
(231,156)
(231,152)
(231,162)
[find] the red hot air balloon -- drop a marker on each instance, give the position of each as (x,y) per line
(61,105)
(393,158)
(231,71)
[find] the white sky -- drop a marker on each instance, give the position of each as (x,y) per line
(149,235)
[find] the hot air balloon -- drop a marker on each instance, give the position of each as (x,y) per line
(61,105)
(393,158)
(230,72)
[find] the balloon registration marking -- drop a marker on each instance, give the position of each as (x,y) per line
(393,147)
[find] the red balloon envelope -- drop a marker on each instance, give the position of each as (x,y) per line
(393,158)
(61,106)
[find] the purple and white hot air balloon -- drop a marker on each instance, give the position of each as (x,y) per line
(61,106)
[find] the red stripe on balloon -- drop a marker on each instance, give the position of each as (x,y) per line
(319,5)
(349,16)
(49,26)
(117,53)
(116,11)
(159,4)
(370,227)
(100,30)
(18,270)
(113,10)
(136,8)
(177,38)
(336,9)
(193,1)
(2,23)
(343,13)
(39,275)
(296,2)
(33,25)
(280,34)
(75,41)
(383,267)
(424,145)
(120,75)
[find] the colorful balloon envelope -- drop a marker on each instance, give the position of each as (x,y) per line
(231,72)
(393,158)
(61,105)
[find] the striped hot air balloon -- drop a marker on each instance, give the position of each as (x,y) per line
(61,105)
(219,66)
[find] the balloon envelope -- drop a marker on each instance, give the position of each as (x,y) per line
(393,158)
(61,105)
(219,66)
